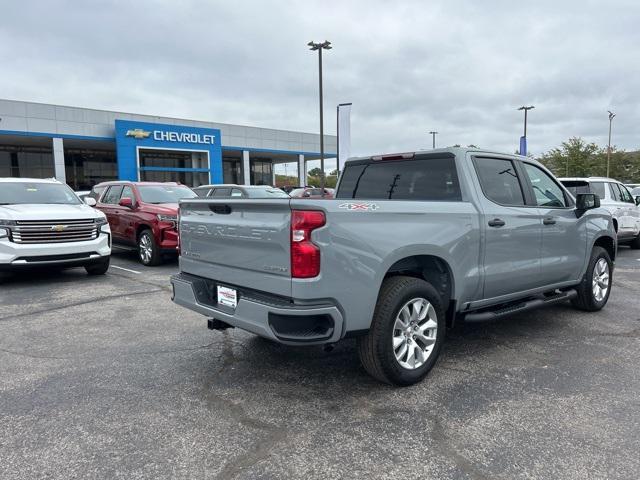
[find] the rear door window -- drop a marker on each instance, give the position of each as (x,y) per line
(597,188)
(499,181)
(222,192)
(615,192)
(113,195)
(427,179)
(95,192)
(236,193)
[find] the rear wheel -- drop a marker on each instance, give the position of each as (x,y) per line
(148,250)
(406,334)
(99,268)
(594,290)
(635,244)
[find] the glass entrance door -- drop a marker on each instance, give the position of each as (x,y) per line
(261,172)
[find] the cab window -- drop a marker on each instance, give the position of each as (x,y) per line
(546,191)
(626,196)
(127,192)
(499,181)
(113,195)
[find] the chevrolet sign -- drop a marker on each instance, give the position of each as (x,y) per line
(183,137)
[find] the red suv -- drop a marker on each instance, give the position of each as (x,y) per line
(143,215)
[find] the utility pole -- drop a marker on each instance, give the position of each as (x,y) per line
(611,115)
(523,140)
(326,45)
(433,137)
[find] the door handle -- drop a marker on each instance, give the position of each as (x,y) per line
(549,221)
(496,222)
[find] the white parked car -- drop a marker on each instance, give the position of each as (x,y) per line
(615,197)
(42,222)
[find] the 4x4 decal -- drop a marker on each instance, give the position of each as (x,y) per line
(365,207)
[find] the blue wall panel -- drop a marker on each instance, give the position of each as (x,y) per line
(130,135)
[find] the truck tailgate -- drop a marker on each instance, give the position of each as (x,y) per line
(225,239)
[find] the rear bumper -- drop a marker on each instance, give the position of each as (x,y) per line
(274,318)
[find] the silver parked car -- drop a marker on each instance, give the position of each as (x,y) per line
(239,191)
(615,197)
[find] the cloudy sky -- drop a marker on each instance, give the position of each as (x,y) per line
(459,67)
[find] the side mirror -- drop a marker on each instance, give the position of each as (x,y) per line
(587,201)
(126,202)
(90,201)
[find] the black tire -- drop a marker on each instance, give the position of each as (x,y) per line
(99,268)
(586,299)
(635,244)
(376,347)
(155,257)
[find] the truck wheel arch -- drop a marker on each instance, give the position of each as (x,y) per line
(430,268)
(608,244)
(141,228)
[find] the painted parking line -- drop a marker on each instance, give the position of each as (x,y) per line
(125,269)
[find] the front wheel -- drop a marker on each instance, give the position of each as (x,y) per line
(406,334)
(594,290)
(99,268)
(148,250)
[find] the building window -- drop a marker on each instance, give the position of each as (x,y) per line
(86,167)
(173,159)
(261,172)
(20,161)
(187,167)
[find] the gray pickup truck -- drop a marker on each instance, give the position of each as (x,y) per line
(411,244)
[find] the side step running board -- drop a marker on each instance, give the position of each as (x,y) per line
(520,307)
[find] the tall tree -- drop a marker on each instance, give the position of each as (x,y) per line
(574,158)
(577,158)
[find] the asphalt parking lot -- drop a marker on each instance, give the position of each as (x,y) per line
(103,377)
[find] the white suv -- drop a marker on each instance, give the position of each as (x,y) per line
(616,198)
(42,222)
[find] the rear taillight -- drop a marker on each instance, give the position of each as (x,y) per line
(305,255)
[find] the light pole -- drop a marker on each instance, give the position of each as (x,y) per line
(523,140)
(326,45)
(433,137)
(611,115)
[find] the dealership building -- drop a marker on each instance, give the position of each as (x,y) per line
(82,147)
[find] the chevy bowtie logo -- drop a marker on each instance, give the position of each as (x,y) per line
(59,228)
(138,133)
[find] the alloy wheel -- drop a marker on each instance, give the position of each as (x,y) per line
(146,248)
(601,277)
(414,333)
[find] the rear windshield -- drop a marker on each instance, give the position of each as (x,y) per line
(580,186)
(268,192)
(37,193)
(164,193)
(432,179)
